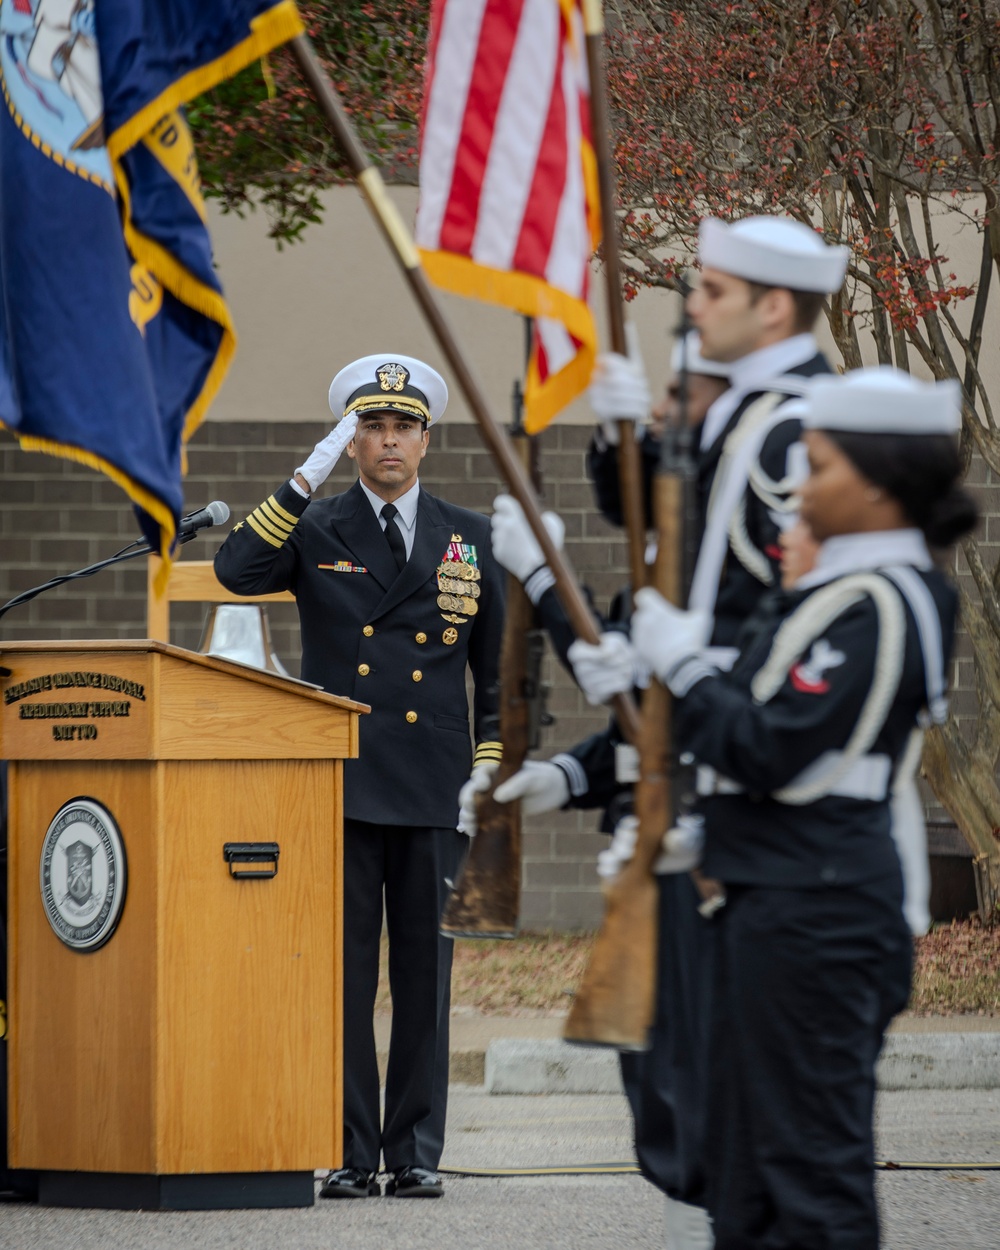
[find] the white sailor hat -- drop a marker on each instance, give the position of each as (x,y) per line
(882,401)
(389,382)
(774,251)
(687,355)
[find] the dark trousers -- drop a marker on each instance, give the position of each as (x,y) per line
(806,983)
(667,1084)
(410,869)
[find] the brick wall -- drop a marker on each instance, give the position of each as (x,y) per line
(56,516)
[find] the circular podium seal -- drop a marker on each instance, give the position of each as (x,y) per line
(82,874)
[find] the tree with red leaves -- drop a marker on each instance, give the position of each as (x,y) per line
(877,122)
(261,140)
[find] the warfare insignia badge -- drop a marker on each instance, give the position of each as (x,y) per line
(449,637)
(392,377)
(82,874)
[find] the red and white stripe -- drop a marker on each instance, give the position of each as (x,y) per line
(508,191)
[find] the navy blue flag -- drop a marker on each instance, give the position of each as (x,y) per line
(114,331)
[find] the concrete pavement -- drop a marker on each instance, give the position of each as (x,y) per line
(953,1209)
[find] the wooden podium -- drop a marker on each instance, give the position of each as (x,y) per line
(175,917)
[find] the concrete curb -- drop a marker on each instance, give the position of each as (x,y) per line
(908,1061)
(940,1061)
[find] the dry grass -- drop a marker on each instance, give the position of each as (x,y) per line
(528,975)
(956,972)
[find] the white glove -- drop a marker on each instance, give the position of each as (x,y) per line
(620,850)
(688,1227)
(619,390)
(611,667)
(665,638)
(327,452)
(682,845)
(540,785)
(515,546)
(909,832)
(479,782)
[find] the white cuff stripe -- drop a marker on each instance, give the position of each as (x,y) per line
(575,775)
(687,673)
(538,583)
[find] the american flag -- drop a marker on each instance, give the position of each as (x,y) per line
(509,207)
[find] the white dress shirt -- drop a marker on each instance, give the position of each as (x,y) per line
(406,513)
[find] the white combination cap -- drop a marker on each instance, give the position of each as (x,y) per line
(883,401)
(687,353)
(774,251)
(389,382)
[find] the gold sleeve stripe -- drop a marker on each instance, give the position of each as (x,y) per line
(265,523)
(488,752)
(259,529)
(277,519)
(285,516)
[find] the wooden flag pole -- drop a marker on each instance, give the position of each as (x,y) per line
(401,243)
(616,999)
(629,457)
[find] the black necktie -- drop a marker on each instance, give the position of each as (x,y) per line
(393,536)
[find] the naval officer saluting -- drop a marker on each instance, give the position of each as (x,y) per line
(398,596)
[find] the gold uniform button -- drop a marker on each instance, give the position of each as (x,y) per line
(411,717)
(368,630)
(417,675)
(364,670)
(421,637)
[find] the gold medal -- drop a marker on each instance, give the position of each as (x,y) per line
(452,586)
(469,607)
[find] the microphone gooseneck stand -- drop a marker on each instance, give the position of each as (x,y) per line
(138,548)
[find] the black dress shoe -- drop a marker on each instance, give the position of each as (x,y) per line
(414,1182)
(350,1183)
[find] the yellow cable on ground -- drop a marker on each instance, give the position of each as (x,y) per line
(624,1168)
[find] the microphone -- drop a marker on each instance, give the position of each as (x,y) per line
(215,513)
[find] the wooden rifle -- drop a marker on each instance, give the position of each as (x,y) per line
(622,967)
(615,1002)
(485,901)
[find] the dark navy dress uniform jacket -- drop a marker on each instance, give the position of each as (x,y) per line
(379,636)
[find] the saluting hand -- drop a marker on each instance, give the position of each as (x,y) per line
(327,452)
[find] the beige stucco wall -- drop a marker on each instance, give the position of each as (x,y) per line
(303,312)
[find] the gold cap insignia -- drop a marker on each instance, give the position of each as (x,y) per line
(392,377)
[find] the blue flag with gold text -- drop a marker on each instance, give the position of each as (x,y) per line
(114,331)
